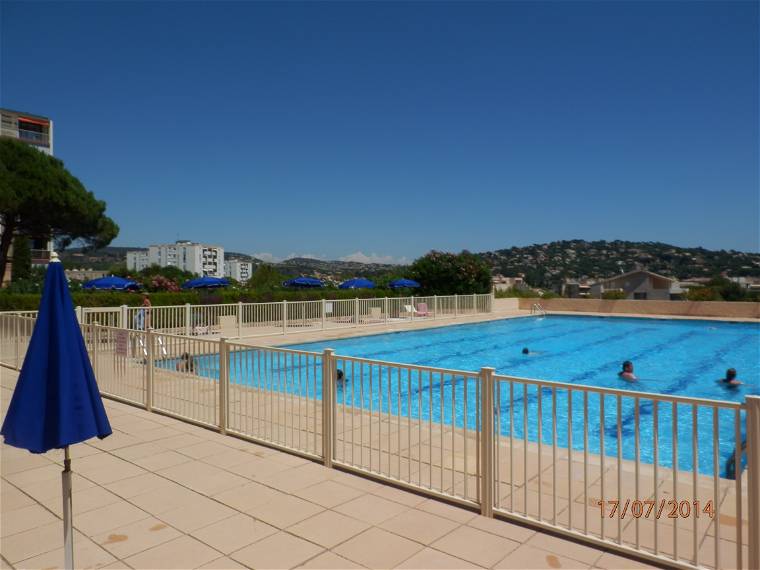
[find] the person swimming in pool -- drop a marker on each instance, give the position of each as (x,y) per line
(627,372)
(339,376)
(527,352)
(730,380)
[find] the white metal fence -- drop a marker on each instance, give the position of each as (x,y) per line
(671,479)
(242,320)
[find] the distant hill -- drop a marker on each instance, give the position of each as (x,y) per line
(105,258)
(548,264)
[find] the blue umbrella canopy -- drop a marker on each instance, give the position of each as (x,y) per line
(56,402)
(205,282)
(303,282)
(357,283)
(111,283)
(401,283)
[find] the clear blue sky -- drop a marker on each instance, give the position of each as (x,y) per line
(394,128)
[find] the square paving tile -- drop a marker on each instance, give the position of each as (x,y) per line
(328,528)
(196,514)
(135,537)
(233,533)
(328,493)
(371,509)
(528,558)
(568,548)
(284,511)
(87,554)
(277,551)
(430,558)
(203,478)
(25,518)
(473,545)
(108,517)
(182,552)
(248,496)
(419,525)
(330,561)
(377,548)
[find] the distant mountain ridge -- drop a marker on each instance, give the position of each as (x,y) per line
(542,264)
(551,263)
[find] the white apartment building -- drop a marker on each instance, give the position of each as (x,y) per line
(238,270)
(197,258)
(137,260)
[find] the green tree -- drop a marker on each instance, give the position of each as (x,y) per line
(265,278)
(703,294)
(442,273)
(614,295)
(39,197)
(22,258)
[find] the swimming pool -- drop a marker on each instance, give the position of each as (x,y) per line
(671,357)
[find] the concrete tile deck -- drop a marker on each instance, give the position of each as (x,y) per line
(196,499)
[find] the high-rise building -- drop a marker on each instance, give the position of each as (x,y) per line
(197,258)
(36,131)
(238,270)
(137,260)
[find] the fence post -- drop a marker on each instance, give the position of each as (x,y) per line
(240,318)
(474,304)
(385,309)
(124,317)
(753,471)
(224,383)
(435,306)
(491,298)
(328,404)
(456,305)
(17,334)
(356,311)
(324,313)
(188,324)
(150,359)
(96,350)
(284,317)
(78,311)
(486,442)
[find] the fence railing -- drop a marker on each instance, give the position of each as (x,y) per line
(657,476)
(242,320)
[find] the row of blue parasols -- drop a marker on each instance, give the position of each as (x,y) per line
(358,283)
(113,283)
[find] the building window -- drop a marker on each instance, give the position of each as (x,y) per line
(640,296)
(32,132)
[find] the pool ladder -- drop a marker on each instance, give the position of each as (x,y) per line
(537,309)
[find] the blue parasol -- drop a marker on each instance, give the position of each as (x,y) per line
(56,402)
(401,283)
(205,282)
(303,282)
(111,283)
(357,283)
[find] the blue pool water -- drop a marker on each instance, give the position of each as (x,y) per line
(680,358)
(673,357)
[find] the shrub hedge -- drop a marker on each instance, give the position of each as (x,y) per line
(31,301)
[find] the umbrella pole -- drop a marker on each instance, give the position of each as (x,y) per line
(68,530)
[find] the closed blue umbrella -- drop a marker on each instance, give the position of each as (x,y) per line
(401,283)
(205,282)
(111,283)
(304,282)
(56,402)
(357,283)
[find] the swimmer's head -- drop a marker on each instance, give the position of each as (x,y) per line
(525,350)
